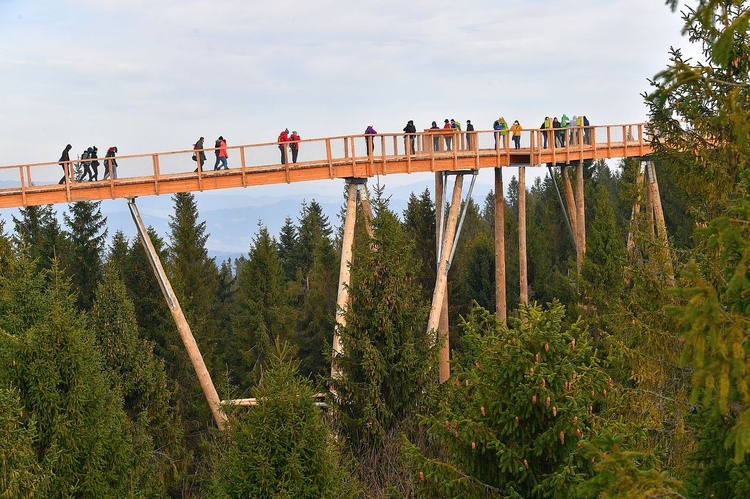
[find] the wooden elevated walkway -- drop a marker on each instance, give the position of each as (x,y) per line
(323,158)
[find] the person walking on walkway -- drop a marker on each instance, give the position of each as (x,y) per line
(223,155)
(469,134)
(435,138)
(217,145)
(369,137)
(294,145)
(95,163)
(282,140)
(411,130)
(64,162)
(447,126)
(516,130)
(110,163)
(86,164)
(199,155)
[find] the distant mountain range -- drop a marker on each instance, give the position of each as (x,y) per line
(232,216)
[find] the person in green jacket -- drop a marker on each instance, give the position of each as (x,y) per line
(564,124)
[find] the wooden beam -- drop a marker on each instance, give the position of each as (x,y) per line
(522,261)
(342,301)
(580,218)
(204,378)
(441,280)
(501,309)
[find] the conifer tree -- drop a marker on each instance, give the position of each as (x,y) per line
(419,223)
(20,474)
(82,440)
(519,402)
(389,359)
(87,233)
(38,232)
(261,312)
(141,378)
(282,446)
(701,122)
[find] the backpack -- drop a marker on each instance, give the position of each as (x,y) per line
(86,154)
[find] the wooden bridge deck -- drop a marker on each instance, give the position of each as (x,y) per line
(324,158)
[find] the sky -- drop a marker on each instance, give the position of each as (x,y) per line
(152,76)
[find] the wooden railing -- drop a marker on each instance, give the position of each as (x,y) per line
(329,157)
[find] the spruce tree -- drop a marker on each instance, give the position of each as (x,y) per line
(281,447)
(389,359)
(419,223)
(56,366)
(701,122)
(519,402)
(87,233)
(140,376)
(261,312)
(38,232)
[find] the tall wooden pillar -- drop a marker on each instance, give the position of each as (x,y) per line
(441,280)
(522,261)
(661,227)
(342,301)
(204,378)
(501,309)
(580,218)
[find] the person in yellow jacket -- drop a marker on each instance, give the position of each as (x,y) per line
(516,131)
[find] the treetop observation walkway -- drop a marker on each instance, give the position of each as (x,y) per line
(338,157)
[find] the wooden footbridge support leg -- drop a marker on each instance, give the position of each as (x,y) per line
(522,258)
(448,240)
(580,218)
(501,307)
(342,301)
(443,327)
(212,397)
(661,227)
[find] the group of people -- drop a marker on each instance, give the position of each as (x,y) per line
(566,129)
(292,140)
(89,163)
(220,150)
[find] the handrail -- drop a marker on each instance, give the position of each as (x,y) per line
(340,156)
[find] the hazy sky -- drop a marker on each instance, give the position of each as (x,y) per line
(154,75)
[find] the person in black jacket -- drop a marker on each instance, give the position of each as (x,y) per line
(469,134)
(94,163)
(411,129)
(64,162)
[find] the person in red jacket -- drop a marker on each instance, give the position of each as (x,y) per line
(282,140)
(223,153)
(294,145)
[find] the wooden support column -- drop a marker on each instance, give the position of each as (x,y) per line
(569,200)
(441,281)
(364,202)
(661,227)
(501,309)
(522,261)
(342,301)
(204,378)
(580,218)
(636,208)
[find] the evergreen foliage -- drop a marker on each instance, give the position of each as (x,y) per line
(140,376)
(56,367)
(261,312)
(519,402)
(87,233)
(389,359)
(281,447)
